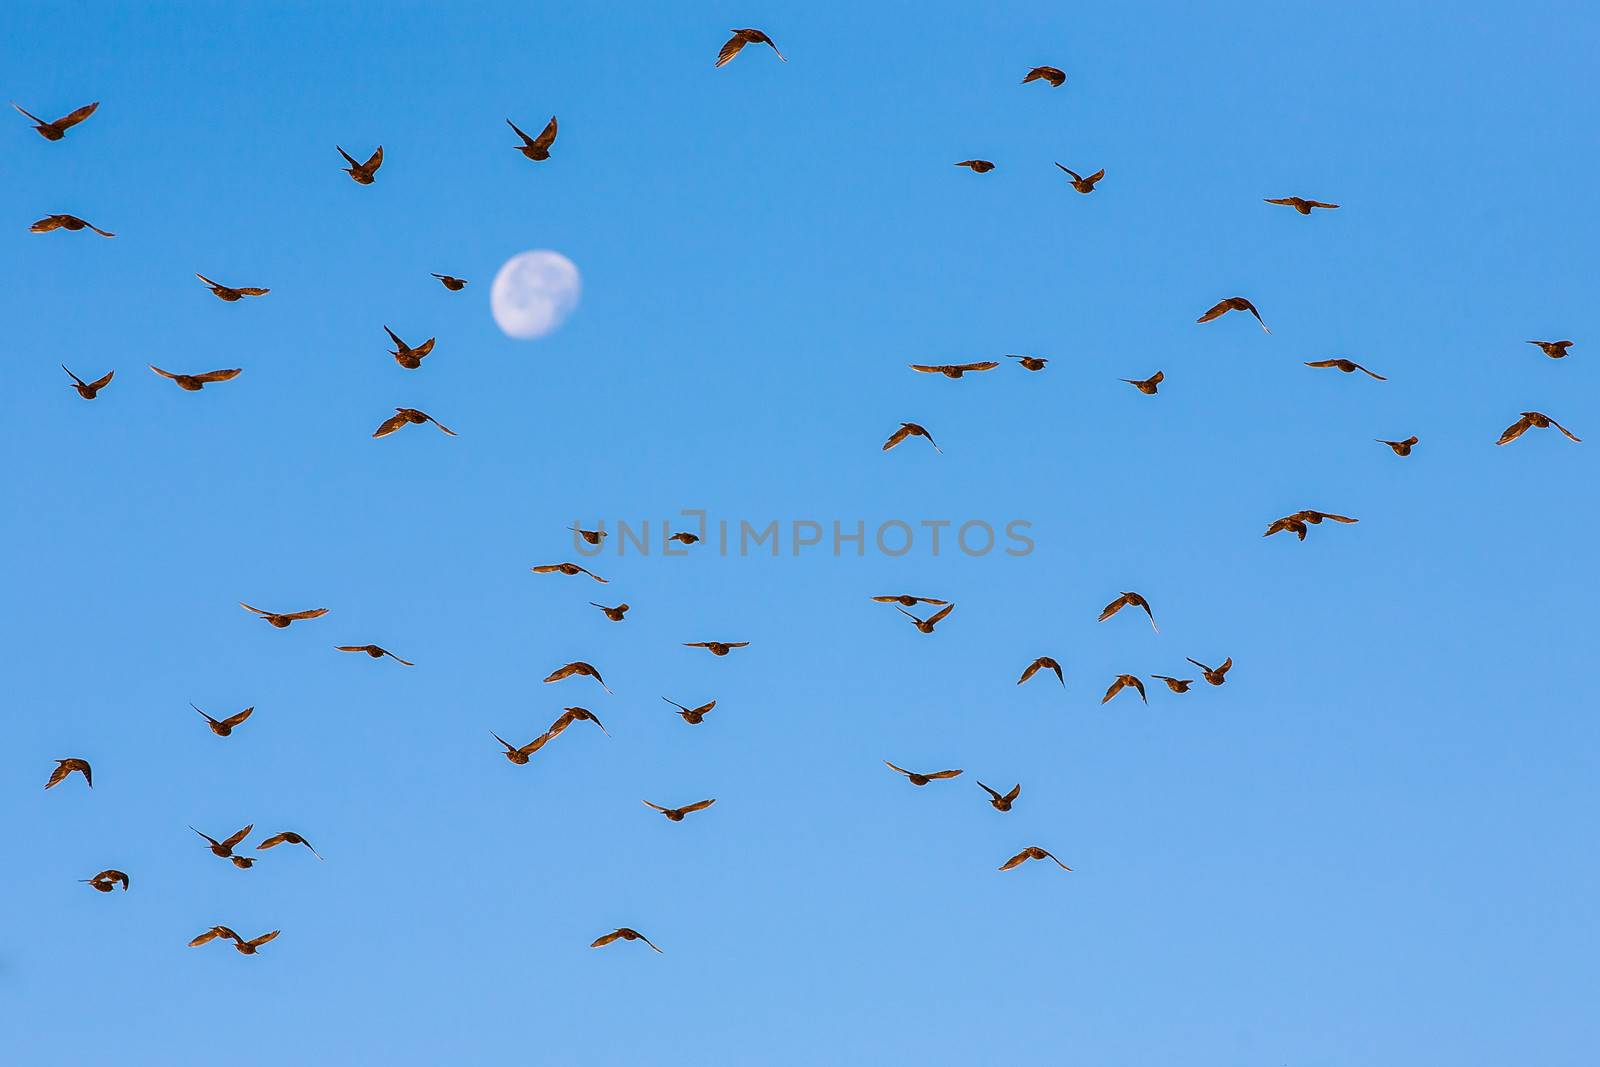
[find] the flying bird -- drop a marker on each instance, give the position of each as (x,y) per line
(1531,419)
(580,668)
(223,292)
(1122,681)
(363,173)
(568,569)
(452,283)
(1401,448)
(88,390)
(1233,303)
(1553,349)
(999,802)
(287,837)
(282,621)
(625,934)
(908,600)
(593,537)
(677,814)
(1030,362)
(1042,663)
(519,756)
(1125,600)
(71,223)
(1032,852)
(1054,75)
(569,716)
(408,416)
(244,863)
(1296,523)
(741,38)
(65,767)
(953,370)
(212,934)
(536,148)
(54,131)
(927,625)
(1346,365)
(614,614)
(248,948)
(921,779)
(224,727)
(408,357)
(224,849)
(1177,685)
(1082,184)
(684,538)
(716,648)
(977,166)
(1147,386)
(107,880)
(692,716)
(193,383)
(1299,204)
(1215,676)
(910,429)
(375,651)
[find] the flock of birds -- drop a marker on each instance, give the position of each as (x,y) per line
(538,149)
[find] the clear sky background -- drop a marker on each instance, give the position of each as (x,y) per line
(1374,844)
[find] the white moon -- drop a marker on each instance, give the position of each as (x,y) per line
(534,293)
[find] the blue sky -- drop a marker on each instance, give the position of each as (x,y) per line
(1372,845)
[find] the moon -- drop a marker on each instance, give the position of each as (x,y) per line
(533,293)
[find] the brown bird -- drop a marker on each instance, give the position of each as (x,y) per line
(1032,852)
(1316,517)
(375,651)
(908,600)
(978,166)
(1531,419)
(614,614)
(593,537)
(1297,522)
(1045,663)
(1217,676)
(1233,303)
(71,223)
(230,295)
(684,538)
(107,880)
(65,767)
(452,283)
(1294,526)
(1346,365)
(408,357)
(741,38)
(953,370)
(716,648)
(224,849)
(692,716)
(1553,349)
(287,837)
(910,429)
(1177,685)
(214,933)
(193,383)
(248,948)
(282,621)
(1122,681)
(87,390)
(677,814)
(244,863)
(1002,803)
(1147,386)
(625,934)
(569,716)
(405,416)
(536,148)
(224,727)
(519,756)
(1401,448)
(54,131)
(927,625)
(921,779)
(1054,75)
(568,569)
(1299,204)
(1030,362)
(363,173)
(1125,600)
(1082,184)
(577,667)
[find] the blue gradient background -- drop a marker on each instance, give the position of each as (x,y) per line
(1374,845)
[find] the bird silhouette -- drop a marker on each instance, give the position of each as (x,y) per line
(536,148)
(1054,75)
(1215,675)
(193,383)
(1232,303)
(927,625)
(405,417)
(224,727)
(999,802)
(54,131)
(741,38)
(1148,386)
(908,600)
(1032,852)
(1301,205)
(1125,600)
(921,779)
(716,648)
(65,767)
(375,651)
(623,933)
(580,668)
(282,621)
(593,537)
(910,429)
(1177,685)
(1079,182)
(1532,419)
(230,295)
(224,849)
(1346,365)
(692,716)
(977,166)
(1297,523)
(1401,448)
(89,390)
(363,173)
(1042,663)
(569,569)
(287,837)
(1553,349)
(519,756)
(1030,362)
(953,370)
(452,283)
(107,880)
(614,614)
(569,716)
(247,948)
(408,357)
(684,538)
(677,814)
(70,223)
(1121,682)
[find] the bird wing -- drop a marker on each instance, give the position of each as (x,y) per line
(1369,374)
(649,804)
(1515,430)
(932,619)
(1116,687)
(729,50)
(374,161)
(441,425)
(525,138)
(895,438)
(605,939)
(1016,791)
(1096,176)
(314,613)
(1218,309)
(233,720)
(1286,201)
(219,375)
(893,767)
(987,364)
(986,789)
(1568,433)
(101,383)
(1019,858)
(390,425)
(347,157)
(699,805)
(945,774)
(548,136)
(272,842)
(71,119)
(926,368)
(397,659)
(1112,608)
(235,838)
(174,377)
(263,939)
(30,114)
(1027,672)
(1323,363)
(1075,175)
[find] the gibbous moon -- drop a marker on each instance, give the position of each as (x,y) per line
(534,293)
